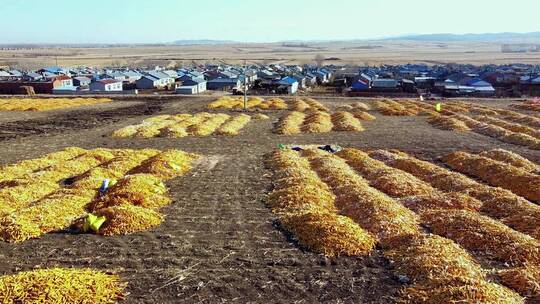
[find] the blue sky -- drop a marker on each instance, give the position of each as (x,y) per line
(146,21)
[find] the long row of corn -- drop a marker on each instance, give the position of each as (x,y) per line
(60,195)
(61,285)
(439,270)
(303,104)
(528,106)
(305,206)
(182,125)
(471,230)
(497,173)
(46,104)
(227,102)
(513,210)
(313,121)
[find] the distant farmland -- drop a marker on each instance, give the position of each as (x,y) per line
(361,53)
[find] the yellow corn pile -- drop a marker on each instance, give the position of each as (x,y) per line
(497,173)
(126,219)
(311,186)
(233,126)
(394,108)
(182,125)
(525,280)
(442,272)
(47,104)
(60,194)
(528,106)
(61,285)
(227,102)
(448,123)
(371,209)
(361,115)
(483,234)
(345,121)
(317,122)
(514,127)
(513,210)
(291,123)
(167,165)
(512,158)
(305,206)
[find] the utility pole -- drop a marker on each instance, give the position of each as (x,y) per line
(245,85)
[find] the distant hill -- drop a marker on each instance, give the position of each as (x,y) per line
(203,42)
(488,37)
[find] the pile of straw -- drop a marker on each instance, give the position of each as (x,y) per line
(126,219)
(315,104)
(525,280)
(227,102)
(345,121)
(61,285)
(497,174)
(363,115)
(391,181)
(511,158)
(528,106)
(300,105)
(483,234)
(306,208)
(513,210)
(329,234)
(371,209)
(208,126)
(234,125)
(394,108)
(167,165)
(514,127)
(448,123)
(317,122)
(290,124)
(143,190)
(47,104)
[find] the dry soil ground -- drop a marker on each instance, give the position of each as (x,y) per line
(219,243)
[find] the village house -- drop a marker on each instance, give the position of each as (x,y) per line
(106,85)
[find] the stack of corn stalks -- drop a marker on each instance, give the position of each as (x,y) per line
(514,127)
(394,108)
(47,104)
(305,206)
(290,123)
(442,272)
(60,285)
(47,206)
(317,122)
(360,114)
(485,235)
(234,125)
(513,159)
(497,174)
(227,102)
(374,211)
(525,280)
(345,121)
(182,125)
(513,210)
(520,118)
(528,106)
(448,123)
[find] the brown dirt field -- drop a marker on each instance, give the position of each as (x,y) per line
(219,242)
